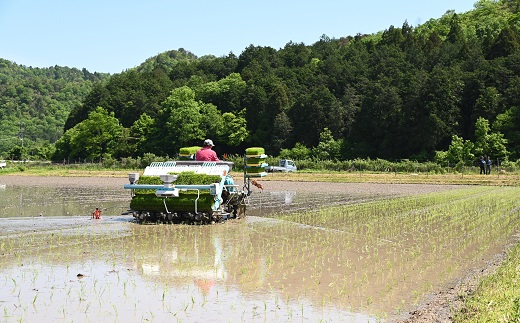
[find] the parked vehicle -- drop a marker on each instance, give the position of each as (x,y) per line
(2,164)
(284,165)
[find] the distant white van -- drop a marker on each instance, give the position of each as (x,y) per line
(2,163)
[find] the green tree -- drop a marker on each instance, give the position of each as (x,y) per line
(481,133)
(128,95)
(459,152)
(140,135)
(442,95)
(328,148)
(41,98)
(17,153)
(315,111)
(508,123)
(298,152)
(184,121)
(226,93)
(507,43)
(488,103)
(378,123)
(282,131)
(98,135)
(488,143)
(497,146)
(234,130)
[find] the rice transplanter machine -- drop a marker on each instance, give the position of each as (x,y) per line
(189,191)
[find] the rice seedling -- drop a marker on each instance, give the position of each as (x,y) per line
(375,256)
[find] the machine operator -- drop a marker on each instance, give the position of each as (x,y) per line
(206,153)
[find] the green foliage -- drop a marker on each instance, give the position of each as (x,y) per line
(399,93)
(327,148)
(237,160)
(489,144)
(368,165)
(459,152)
(507,123)
(98,135)
(184,121)
(149,158)
(234,128)
(225,94)
(282,131)
(166,60)
(128,95)
(496,298)
(299,151)
(141,135)
(16,153)
(41,98)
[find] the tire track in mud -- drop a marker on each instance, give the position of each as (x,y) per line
(269,203)
(286,196)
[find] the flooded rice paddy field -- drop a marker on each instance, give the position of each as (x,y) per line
(306,252)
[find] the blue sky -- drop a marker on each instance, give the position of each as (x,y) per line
(114,35)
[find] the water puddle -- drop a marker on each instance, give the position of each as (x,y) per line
(22,201)
(354,262)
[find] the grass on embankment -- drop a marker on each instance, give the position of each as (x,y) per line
(497,298)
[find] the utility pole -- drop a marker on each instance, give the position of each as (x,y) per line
(20,135)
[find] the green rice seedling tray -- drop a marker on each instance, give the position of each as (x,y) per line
(255,169)
(191,178)
(187,151)
(184,203)
(148,180)
(184,178)
(255,151)
(256,161)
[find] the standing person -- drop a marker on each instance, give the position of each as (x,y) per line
(488,165)
(482,163)
(96,214)
(206,153)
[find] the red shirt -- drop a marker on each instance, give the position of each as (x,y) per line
(206,154)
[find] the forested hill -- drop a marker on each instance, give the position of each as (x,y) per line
(402,93)
(35,103)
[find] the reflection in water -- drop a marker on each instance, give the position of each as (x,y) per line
(232,271)
(60,201)
(363,263)
(286,197)
(188,273)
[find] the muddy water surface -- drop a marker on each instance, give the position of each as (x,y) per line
(56,264)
